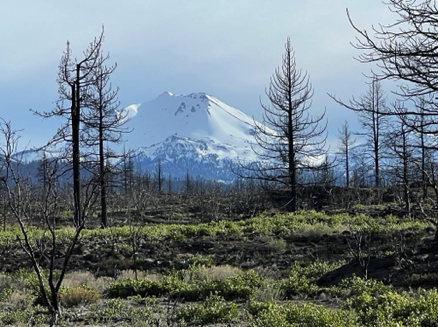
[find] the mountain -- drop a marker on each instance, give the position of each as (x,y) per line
(194,133)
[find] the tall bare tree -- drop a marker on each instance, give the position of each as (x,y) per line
(406,51)
(345,143)
(373,116)
(159,176)
(400,148)
(93,122)
(103,125)
(422,124)
(75,77)
(290,139)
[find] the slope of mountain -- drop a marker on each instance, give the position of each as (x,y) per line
(196,133)
(197,116)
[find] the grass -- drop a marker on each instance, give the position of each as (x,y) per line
(307,224)
(205,292)
(81,278)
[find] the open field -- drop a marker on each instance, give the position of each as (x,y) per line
(274,269)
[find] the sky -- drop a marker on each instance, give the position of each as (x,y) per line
(225,48)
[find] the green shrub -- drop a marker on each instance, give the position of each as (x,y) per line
(393,309)
(229,288)
(131,287)
(214,309)
(21,314)
(297,315)
(358,286)
(241,286)
(421,279)
(309,314)
(143,287)
(297,284)
(5,294)
(31,282)
(255,308)
(301,278)
(14,316)
(199,260)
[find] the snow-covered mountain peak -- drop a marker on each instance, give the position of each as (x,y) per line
(166,93)
(196,116)
(194,133)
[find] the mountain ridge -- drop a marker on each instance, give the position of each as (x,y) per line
(194,134)
(190,130)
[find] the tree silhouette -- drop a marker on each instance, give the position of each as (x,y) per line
(405,50)
(290,140)
(74,80)
(345,144)
(103,126)
(373,117)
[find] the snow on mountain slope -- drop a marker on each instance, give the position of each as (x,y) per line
(224,131)
(194,133)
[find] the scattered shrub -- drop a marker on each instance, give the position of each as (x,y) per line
(75,296)
(14,316)
(301,278)
(291,315)
(214,309)
(241,286)
(421,279)
(143,287)
(199,260)
(297,284)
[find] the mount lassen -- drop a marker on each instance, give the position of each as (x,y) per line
(194,133)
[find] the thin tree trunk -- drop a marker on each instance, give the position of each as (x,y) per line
(75,122)
(102,175)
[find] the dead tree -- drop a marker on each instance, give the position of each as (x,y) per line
(373,116)
(74,81)
(400,148)
(92,121)
(103,126)
(406,49)
(345,144)
(21,203)
(290,140)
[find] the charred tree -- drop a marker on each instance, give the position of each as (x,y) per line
(103,126)
(290,140)
(400,147)
(345,144)
(74,81)
(373,116)
(406,49)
